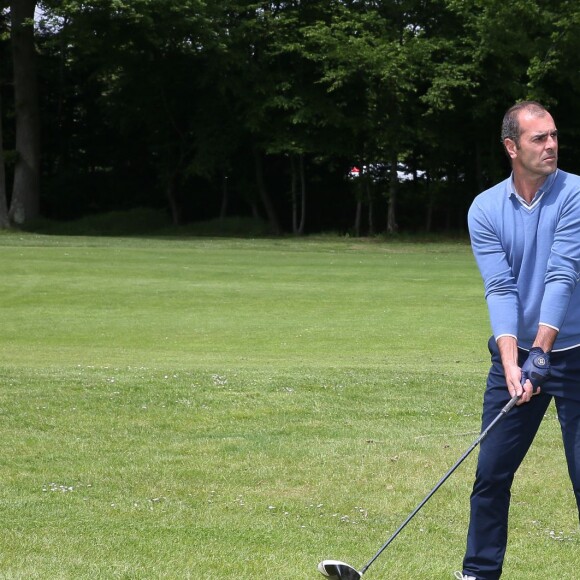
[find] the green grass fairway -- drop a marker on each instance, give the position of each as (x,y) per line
(242,409)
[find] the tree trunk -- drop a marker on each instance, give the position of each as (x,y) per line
(171,194)
(302,196)
(294,194)
(225,197)
(371,209)
(4,221)
(392,206)
(298,174)
(255,212)
(25,202)
(357,218)
(268,205)
(430,206)
(479,167)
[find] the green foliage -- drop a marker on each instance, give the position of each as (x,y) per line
(173,97)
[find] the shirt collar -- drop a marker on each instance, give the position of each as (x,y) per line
(546,186)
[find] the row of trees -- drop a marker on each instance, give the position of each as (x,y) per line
(241,106)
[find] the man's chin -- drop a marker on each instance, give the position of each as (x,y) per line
(549,166)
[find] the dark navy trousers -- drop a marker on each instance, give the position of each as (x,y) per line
(503,449)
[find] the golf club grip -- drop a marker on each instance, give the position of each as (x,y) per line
(511,403)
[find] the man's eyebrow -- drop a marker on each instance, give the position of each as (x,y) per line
(545,133)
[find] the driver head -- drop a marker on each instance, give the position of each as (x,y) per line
(338,570)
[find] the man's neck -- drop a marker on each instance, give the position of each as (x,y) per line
(527,187)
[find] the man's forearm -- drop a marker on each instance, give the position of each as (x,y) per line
(508,351)
(545,338)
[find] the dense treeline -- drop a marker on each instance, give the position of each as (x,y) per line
(241,107)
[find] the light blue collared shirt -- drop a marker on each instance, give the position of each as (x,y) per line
(546,186)
(529,258)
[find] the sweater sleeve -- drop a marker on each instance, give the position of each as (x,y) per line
(499,283)
(563,270)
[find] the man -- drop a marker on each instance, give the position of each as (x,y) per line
(525,234)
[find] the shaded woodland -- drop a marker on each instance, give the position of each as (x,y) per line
(205,110)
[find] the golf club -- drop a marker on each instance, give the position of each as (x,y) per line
(337,570)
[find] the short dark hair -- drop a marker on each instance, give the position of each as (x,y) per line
(510,127)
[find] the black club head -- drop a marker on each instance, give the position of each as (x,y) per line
(337,570)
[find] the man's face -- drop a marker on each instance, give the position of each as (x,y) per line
(536,155)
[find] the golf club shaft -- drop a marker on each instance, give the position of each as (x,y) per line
(482,436)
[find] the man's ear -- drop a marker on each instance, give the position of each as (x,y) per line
(510,147)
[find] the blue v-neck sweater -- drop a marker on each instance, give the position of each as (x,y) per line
(529,258)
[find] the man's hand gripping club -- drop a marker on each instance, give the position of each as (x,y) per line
(535,372)
(526,381)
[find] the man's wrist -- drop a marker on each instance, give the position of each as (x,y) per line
(545,338)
